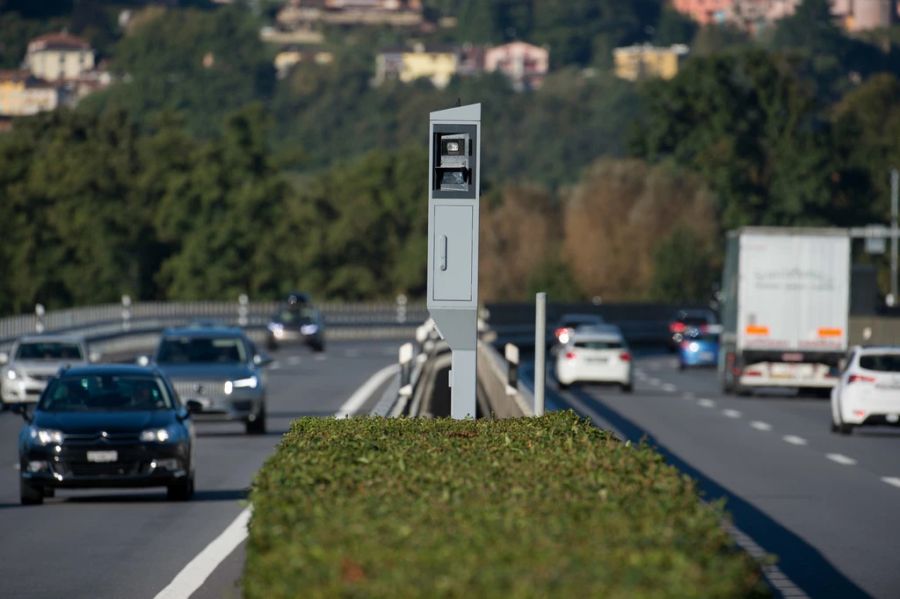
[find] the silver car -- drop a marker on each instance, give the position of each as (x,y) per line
(221,369)
(33,361)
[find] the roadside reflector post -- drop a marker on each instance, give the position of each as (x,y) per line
(39,315)
(243,309)
(511,352)
(540,350)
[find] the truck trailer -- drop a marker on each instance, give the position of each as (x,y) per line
(785,308)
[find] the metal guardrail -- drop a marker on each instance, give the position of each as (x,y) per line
(120,319)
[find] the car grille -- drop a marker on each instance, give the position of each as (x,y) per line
(198,389)
(93,438)
(90,469)
(41,377)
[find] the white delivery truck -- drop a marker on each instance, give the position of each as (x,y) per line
(785,308)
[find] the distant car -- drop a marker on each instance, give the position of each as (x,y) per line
(699,348)
(868,390)
(683,320)
(107,426)
(569,323)
(297,321)
(219,368)
(33,361)
(595,354)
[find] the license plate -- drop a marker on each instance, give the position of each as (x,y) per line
(706,355)
(598,360)
(102,456)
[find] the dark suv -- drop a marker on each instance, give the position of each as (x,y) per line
(297,321)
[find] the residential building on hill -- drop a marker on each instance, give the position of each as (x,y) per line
(59,57)
(438,64)
(23,94)
(645,61)
(756,15)
(524,64)
(299,14)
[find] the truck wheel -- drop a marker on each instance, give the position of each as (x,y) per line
(257,426)
(845,429)
(627,388)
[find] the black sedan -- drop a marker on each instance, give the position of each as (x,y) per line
(107,426)
(297,321)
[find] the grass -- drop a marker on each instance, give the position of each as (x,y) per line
(539,507)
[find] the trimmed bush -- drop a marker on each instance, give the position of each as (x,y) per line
(540,507)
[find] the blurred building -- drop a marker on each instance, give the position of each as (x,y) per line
(59,57)
(289,57)
(299,14)
(524,64)
(756,15)
(705,11)
(438,64)
(645,61)
(23,94)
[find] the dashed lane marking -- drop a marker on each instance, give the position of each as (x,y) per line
(688,395)
(894,481)
(729,413)
(320,357)
(275,365)
(294,360)
(841,459)
(794,440)
(761,426)
(654,382)
(706,403)
(669,388)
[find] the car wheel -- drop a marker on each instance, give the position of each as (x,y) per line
(681,366)
(30,493)
(317,346)
(181,490)
(845,429)
(257,426)
(271,345)
(562,385)
(627,388)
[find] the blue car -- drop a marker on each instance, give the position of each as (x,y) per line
(699,347)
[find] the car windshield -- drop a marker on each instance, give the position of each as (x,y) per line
(49,350)
(299,315)
(694,321)
(580,321)
(105,392)
(200,350)
(707,337)
(881,362)
(599,344)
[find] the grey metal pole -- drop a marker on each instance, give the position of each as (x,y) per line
(895,189)
(540,350)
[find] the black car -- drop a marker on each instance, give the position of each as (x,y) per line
(297,321)
(107,426)
(689,319)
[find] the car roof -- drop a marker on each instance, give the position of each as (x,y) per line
(111,369)
(878,349)
(581,317)
(52,338)
(606,332)
(704,312)
(203,331)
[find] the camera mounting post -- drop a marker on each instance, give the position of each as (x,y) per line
(454,176)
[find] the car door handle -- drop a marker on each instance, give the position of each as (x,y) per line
(443,252)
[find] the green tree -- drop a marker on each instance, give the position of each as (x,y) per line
(685,268)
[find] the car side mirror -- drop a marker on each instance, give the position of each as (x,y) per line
(22,410)
(842,364)
(262,359)
(193,406)
(4,357)
(143,360)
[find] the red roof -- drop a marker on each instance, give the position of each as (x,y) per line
(58,41)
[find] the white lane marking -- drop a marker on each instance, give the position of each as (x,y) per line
(655,366)
(669,388)
(294,360)
(275,365)
(706,403)
(359,396)
(731,413)
(688,395)
(320,357)
(794,440)
(654,382)
(352,353)
(195,573)
(894,481)
(841,459)
(772,573)
(198,569)
(761,426)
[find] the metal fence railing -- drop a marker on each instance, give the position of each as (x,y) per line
(111,319)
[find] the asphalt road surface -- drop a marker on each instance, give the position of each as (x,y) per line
(132,543)
(826,504)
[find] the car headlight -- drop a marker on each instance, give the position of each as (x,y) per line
(275,327)
(46,436)
(159,435)
(248,383)
(12,374)
(309,329)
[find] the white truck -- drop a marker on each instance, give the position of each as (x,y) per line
(785,308)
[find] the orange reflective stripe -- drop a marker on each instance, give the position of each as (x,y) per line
(755,329)
(826,332)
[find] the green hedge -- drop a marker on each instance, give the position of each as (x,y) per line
(541,507)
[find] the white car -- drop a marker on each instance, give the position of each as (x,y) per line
(868,391)
(33,361)
(595,354)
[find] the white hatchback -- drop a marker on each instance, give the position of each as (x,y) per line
(868,391)
(595,354)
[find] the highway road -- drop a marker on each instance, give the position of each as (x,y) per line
(827,505)
(132,543)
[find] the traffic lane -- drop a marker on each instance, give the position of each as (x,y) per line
(101,543)
(799,419)
(840,512)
